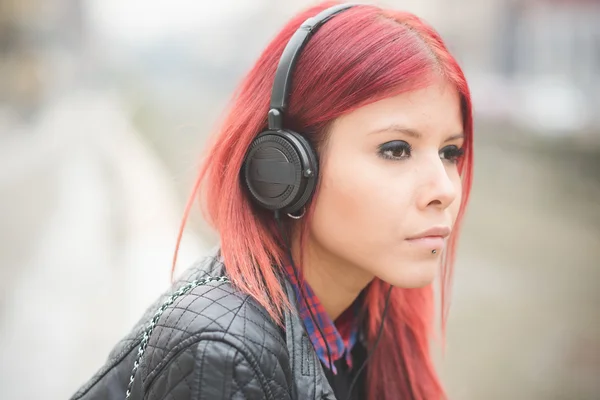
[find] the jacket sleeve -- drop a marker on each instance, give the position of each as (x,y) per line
(217,370)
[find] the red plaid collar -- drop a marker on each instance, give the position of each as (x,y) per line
(340,335)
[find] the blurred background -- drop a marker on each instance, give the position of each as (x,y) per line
(104,109)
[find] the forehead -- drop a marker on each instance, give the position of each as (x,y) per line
(434,109)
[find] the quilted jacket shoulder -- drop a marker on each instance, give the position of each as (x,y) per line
(212,343)
(222,338)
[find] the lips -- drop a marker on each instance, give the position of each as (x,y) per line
(437,232)
(432,238)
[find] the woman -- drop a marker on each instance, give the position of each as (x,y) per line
(330,239)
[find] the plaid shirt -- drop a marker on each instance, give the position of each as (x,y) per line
(340,335)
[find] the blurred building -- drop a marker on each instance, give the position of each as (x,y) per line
(552,48)
(40,46)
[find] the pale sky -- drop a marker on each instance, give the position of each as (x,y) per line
(145,21)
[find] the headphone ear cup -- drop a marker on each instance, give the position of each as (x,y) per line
(280,170)
(310,170)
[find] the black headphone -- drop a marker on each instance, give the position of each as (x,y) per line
(281,167)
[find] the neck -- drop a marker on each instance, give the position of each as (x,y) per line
(336,282)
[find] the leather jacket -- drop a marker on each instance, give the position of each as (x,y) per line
(214,343)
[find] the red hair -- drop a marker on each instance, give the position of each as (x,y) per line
(360,56)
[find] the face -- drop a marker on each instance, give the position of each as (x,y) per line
(390,190)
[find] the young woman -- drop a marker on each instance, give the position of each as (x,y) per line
(337,184)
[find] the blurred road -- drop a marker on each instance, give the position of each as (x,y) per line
(88,221)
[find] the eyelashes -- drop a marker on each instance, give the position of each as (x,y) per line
(398,150)
(452,153)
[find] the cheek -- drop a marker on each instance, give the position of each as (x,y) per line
(357,204)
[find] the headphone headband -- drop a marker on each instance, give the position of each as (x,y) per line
(285,69)
(281,167)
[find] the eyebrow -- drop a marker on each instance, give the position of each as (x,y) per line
(413,133)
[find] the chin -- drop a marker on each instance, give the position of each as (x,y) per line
(413,275)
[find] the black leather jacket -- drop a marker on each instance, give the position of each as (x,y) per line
(213,343)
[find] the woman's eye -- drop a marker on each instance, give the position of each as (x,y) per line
(396,150)
(452,154)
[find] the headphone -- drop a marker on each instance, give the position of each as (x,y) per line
(281,168)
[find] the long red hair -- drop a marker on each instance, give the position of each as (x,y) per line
(360,56)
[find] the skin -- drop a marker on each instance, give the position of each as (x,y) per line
(369,205)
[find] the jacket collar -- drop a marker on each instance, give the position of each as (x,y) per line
(306,368)
(337,342)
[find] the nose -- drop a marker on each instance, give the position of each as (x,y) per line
(438,189)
